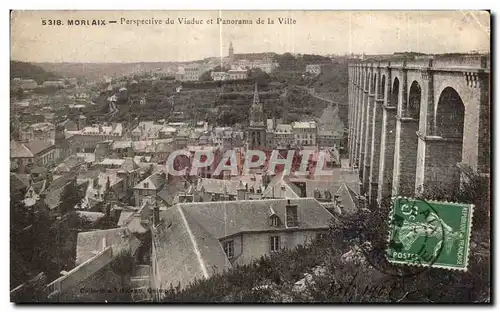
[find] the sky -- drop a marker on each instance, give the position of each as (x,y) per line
(314,32)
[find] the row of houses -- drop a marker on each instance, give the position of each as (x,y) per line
(193,238)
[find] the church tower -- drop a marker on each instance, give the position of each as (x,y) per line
(256,133)
(256,111)
(231,54)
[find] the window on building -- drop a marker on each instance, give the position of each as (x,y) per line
(146,184)
(229,249)
(274,221)
(321,236)
(275,243)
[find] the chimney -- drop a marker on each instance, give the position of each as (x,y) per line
(317,194)
(241,192)
(156,214)
(291,215)
(116,211)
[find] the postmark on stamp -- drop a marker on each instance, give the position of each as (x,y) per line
(429,233)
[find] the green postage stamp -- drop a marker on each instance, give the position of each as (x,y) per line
(429,233)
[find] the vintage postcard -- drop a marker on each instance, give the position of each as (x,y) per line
(250,156)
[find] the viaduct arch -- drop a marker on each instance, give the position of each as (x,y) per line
(416,123)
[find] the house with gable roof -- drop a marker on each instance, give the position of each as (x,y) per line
(198,240)
(150,186)
(36,152)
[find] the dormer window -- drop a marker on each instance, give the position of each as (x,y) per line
(146,184)
(274,221)
(229,249)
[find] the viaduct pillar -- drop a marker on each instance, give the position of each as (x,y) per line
(375,139)
(427,140)
(406,145)
(365,126)
(387,143)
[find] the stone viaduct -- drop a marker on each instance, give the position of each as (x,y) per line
(418,123)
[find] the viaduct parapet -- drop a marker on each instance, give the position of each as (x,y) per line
(418,123)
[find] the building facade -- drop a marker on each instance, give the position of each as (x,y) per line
(237,74)
(219,76)
(305,133)
(313,69)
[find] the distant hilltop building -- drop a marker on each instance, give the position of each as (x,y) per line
(24,84)
(237,74)
(313,69)
(192,72)
(54,83)
(219,76)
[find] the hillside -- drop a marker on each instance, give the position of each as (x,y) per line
(31,71)
(93,71)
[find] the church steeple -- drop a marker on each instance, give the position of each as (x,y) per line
(256,131)
(256,111)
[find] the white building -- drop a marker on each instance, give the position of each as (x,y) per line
(305,133)
(236,74)
(284,135)
(219,76)
(192,72)
(54,83)
(314,69)
(25,84)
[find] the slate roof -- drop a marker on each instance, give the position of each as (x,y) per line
(19,181)
(227,218)
(322,186)
(169,191)
(185,251)
(90,215)
(39,186)
(331,182)
(112,161)
(88,243)
(38,146)
(218,186)
(284,128)
(187,240)
(54,190)
(348,200)
(121,144)
(129,165)
(102,180)
(19,150)
(70,163)
(62,181)
(280,187)
(125,217)
(155,182)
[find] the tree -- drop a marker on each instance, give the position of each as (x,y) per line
(260,77)
(124,265)
(70,197)
(206,76)
(286,61)
(227,118)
